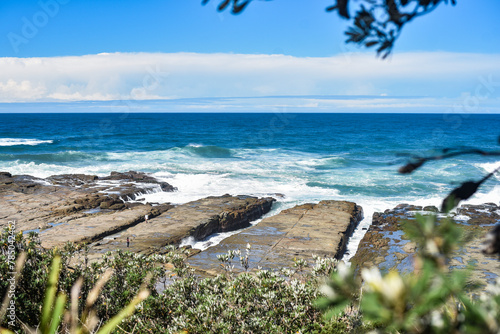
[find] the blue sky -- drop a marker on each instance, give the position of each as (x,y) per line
(292,27)
(173,49)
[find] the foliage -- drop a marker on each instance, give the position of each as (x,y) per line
(250,302)
(433,299)
(129,272)
(376,22)
(380,22)
(54,308)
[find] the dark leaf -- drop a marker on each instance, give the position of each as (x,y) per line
(223,5)
(384,46)
(342,8)
(355,36)
(204,2)
(466,190)
(237,8)
(425,3)
(393,11)
(371,43)
(410,167)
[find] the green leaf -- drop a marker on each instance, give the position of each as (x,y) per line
(58,313)
(50,293)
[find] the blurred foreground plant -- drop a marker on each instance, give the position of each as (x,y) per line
(433,299)
(56,317)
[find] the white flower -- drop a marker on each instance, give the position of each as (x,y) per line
(437,319)
(373,278)
(391,287)
(328,291)
(343,270)
(431,247)
(394,286)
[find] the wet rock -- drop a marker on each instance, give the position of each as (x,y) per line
(385,246)
(5,175)
(431,209)
(20,183)
(485,214)
(87,229)
(322,229)
(72,180)
(139,177)
(118,206)
(196,219)
(83,202)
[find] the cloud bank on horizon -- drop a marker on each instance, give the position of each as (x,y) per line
(148,76)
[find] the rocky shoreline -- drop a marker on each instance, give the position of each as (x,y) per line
(385,246)
(106,213)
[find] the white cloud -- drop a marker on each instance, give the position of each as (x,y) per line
(19,90)
(144,76)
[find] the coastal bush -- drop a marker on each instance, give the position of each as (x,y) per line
(253,301)
(250,302)
(54,309)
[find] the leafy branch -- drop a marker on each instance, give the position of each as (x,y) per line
(380,22)
(237,6)
(466,189)
(375,23)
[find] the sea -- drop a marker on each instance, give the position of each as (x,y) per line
(294,157)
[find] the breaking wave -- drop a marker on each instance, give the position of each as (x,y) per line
(23,141)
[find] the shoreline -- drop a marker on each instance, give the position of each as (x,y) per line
(104,211)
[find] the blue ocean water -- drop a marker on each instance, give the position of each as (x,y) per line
(302,157)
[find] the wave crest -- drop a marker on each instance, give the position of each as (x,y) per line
(23,141)
(209,151)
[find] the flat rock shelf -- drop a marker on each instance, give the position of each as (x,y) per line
(322,229)
(196,219)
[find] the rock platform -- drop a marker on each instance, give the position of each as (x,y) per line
(385,246)
(322,229)
(197,219)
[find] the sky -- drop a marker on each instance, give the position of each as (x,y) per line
(102,50)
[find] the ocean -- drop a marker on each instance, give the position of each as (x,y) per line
(294,157)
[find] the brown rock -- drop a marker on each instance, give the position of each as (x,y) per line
(91,228)
(197,219)
(385,246)
(118,206)
(322,229)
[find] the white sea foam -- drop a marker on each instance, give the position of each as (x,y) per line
(490,167)
(23,141)
(462,218)
(194,186)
